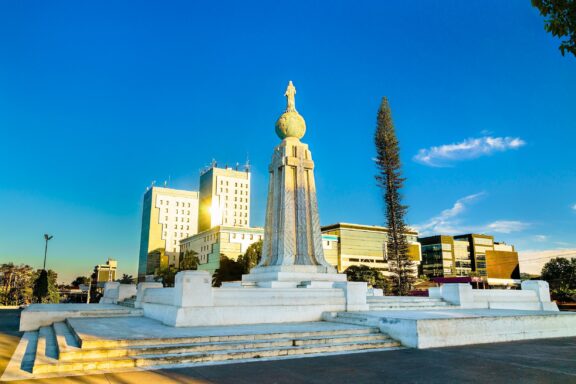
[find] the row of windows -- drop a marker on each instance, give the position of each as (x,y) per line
(181,227)
(240,214)
(243,236)
(176,234)
(213,236)
(242,185)
(236,222)
(181,219)
(236,191)
(182,212)
(178,203)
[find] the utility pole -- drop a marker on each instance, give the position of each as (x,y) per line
(47,238)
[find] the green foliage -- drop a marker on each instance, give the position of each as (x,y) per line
(16,284)
(127,279)
(166,275)
(252,257)
(189,261)
(560,273)
(390,180)
(370,275)
(45,288)
(80,280)
(560,21)
(229,270)
(41,286)
(564,294)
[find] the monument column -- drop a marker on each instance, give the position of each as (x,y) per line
(292,252)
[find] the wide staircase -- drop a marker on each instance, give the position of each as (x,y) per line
(403,303)
(59,350)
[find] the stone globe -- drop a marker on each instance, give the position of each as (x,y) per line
(290,124)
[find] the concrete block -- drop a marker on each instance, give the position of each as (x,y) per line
(126,291)
(140,292)
(458,294)
(355,293)
(193,289)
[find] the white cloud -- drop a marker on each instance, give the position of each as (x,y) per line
(472,148)
(532,261)
(574,207)
(505,226)
(540,238)
(448,222)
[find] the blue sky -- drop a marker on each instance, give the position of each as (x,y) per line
(98,99)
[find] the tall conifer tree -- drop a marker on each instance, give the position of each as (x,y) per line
(390,179)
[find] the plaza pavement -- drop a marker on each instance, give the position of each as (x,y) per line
(535,361)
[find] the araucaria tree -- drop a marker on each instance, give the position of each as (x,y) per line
(390,179)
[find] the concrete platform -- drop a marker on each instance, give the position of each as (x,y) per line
(83,346)
(453,327)
(39,315)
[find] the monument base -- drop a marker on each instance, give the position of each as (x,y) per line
(292,276)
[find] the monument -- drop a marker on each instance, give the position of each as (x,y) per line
(292,253)
(275,311)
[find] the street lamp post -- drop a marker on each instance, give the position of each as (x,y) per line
(47,238)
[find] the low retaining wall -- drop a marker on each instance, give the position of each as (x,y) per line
(193,302)
(115,292)
(534,296)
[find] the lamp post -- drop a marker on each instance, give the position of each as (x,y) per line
(47,238)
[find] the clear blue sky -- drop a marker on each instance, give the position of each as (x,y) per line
(97,99)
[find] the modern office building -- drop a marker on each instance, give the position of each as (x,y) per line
(224,198)
(168,215)
(348,244)
(443,256)
(462,255)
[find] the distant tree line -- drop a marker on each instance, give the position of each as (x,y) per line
(560,273)
(21,285)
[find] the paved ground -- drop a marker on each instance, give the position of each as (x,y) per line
(540,361)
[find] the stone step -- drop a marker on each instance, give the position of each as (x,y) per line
(46,347)
(409,308)
(411,299)
(78,354)
(409,305)
(108,364)
(117,343)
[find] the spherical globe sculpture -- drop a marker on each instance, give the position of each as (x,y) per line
(290,124)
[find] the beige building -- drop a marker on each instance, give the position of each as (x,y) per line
(224,198)
(220,240)
(234,241)
(104,273)
(168,216)
(356,244)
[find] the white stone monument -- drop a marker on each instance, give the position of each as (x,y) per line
(292,253)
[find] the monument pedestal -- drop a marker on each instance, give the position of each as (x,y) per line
(292,276)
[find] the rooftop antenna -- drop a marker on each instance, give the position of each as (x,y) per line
(247,166)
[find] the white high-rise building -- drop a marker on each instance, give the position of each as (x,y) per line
(224,198)
(168,216)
